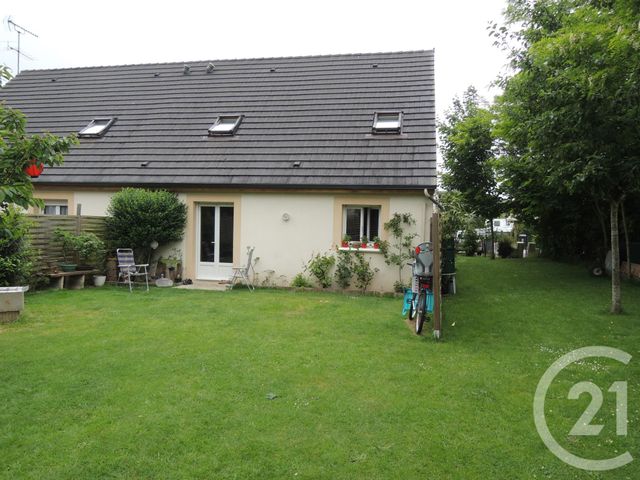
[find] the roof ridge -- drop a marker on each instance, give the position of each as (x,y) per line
(329,55)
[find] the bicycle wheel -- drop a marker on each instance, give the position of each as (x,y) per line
(413,307)
(420,311)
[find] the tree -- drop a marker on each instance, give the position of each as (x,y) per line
(570,114)
(136,217)
(467,145)
(18,150)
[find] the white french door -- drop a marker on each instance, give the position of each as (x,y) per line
(214,249)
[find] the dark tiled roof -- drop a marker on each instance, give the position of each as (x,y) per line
(315,110)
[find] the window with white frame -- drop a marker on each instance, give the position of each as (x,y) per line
(387,122)
(55,207)
(361,221)
(225,125)
(96,128)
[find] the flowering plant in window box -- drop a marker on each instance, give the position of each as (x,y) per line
(376,243)
(365,242)
(345,241)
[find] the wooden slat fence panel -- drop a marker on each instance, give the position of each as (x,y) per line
(49,251)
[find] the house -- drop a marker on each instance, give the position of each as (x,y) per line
(284,154)
(503,225)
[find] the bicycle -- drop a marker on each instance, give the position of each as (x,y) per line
(419,299)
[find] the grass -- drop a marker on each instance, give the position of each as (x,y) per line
(101,383)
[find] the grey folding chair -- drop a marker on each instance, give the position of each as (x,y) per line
(127,267)
(242,273)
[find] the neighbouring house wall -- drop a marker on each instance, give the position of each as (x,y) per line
(283,247)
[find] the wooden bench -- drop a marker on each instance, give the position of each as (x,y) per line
(74,280)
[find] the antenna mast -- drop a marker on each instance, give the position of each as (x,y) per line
(19,30)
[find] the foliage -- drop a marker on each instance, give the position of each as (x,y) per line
(569,113)
(344,269)
(454,216)
(399,287)
(17,150)
(467,145)
(399,250)
(505,248)
(5,74)
(16,255)
(137,217)
(82,248)
(470,242)
(320,267)
(301,281)
(363,272)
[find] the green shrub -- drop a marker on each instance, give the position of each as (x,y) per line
(81,248)
(470,242)
(344,269)
(505,249)
(137,217)
(301,281)
(363,272)
(17,257)
(320,267)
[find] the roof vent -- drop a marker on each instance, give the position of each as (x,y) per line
(210,68)
(53,79)
(156,74)
(296,164)
(144,164)
(273,70)
(186,70)
(375,65)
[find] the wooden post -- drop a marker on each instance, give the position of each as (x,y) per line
(436,243)
(79,219)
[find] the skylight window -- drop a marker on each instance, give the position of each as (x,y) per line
(387,122)
(97,128)
(225,125)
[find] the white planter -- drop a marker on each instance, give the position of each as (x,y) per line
(98,280)
(11,303)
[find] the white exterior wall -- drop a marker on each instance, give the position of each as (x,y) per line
(93,203)
(284,247)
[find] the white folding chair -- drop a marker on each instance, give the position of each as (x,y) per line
(242,273)
(128,268)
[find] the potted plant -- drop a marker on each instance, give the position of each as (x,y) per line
(376,243)
(90,251)
(172,262)
(67,242)
(85,249)
(365,241)
(345,241)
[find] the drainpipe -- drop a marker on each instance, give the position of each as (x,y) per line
(436,203)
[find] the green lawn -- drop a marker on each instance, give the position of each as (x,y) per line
(101,383)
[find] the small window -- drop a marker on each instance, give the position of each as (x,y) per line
(226,125)
(97,128)
(55,207)
(387,122)
(496,223)
(359,222)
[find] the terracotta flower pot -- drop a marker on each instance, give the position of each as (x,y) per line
(376,246)
(345,244)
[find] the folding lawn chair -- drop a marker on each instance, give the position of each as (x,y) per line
(127,267)
(242,273)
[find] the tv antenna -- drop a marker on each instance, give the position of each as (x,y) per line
(20,31)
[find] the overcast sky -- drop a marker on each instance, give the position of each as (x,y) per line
(82,33)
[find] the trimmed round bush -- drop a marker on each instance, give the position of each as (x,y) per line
(137,217)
